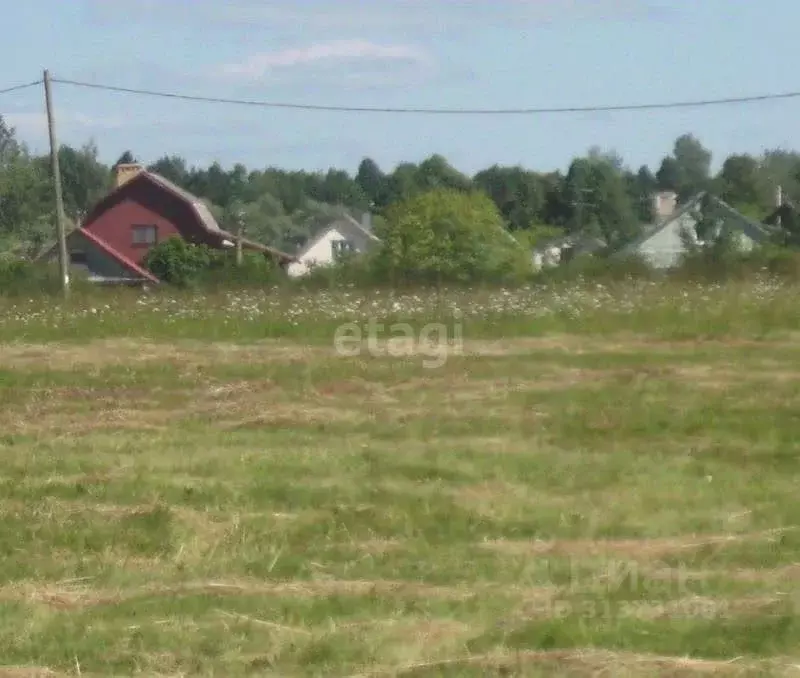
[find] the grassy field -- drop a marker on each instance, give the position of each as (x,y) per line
(595,481)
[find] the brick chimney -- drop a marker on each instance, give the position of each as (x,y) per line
(664,204)
(124,172)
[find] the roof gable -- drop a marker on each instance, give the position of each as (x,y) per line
(205,219)
(344,224)
(749,226)
(108,250)
(200,209)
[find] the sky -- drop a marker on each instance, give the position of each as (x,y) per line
(403,54)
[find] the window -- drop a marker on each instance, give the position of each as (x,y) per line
(77,258)
(144,235)
(340,247)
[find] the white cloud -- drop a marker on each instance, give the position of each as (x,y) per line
(259,65)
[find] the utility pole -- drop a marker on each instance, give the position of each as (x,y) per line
(61,218)
(239,236)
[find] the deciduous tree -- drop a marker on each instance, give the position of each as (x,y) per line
(450,235)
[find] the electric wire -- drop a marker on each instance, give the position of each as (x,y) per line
(433,111)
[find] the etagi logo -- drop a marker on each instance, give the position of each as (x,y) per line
(434,341)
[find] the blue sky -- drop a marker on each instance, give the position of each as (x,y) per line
(404,53)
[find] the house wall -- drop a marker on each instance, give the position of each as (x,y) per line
(142,203)
(98,263)
(664,249)
(321,254)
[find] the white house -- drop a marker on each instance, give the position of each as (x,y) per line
(663,244)
(343,235)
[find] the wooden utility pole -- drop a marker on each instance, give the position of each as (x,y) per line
(239,236)
(61,218)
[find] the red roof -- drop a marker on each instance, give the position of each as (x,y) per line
(121,259)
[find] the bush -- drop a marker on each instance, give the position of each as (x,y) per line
(710,265)
(608,269)
(447,236)
(352,271)
(20,277)
(177,262)
(186,265)
(256,270)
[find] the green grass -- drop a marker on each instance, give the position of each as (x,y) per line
(557,498)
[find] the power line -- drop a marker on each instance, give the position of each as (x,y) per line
(437,111)
(17,88)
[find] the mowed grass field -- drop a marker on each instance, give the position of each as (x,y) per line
(607,489)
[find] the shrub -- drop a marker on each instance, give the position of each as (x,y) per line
(255,270)
(610,269)
(448,236)
(20,277)
(177,262)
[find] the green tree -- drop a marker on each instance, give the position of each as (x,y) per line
(402,183)
(447,235)
(518,194)
(738,181)
(668,176)
(641,188)
(24,195)
(172,168)
(337,187)
(436,173)
(779,167)
(126,158)
(688,170)
(9,146)
(600,205)
(83,177)
(264,221)
(372,182)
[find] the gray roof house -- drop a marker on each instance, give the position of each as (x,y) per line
(340,236)
(662,244)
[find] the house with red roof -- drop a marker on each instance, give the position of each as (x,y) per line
(141,211)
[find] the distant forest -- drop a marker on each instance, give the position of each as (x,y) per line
(598,195)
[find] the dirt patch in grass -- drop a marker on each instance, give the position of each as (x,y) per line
(28,672)
(587,662)
(379,546)
(635,549)
(617,343)
(113,352)
(83,596)
(294,414)
(241,405)
(696,607)
(786,573)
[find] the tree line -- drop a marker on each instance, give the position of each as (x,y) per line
(598,194)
